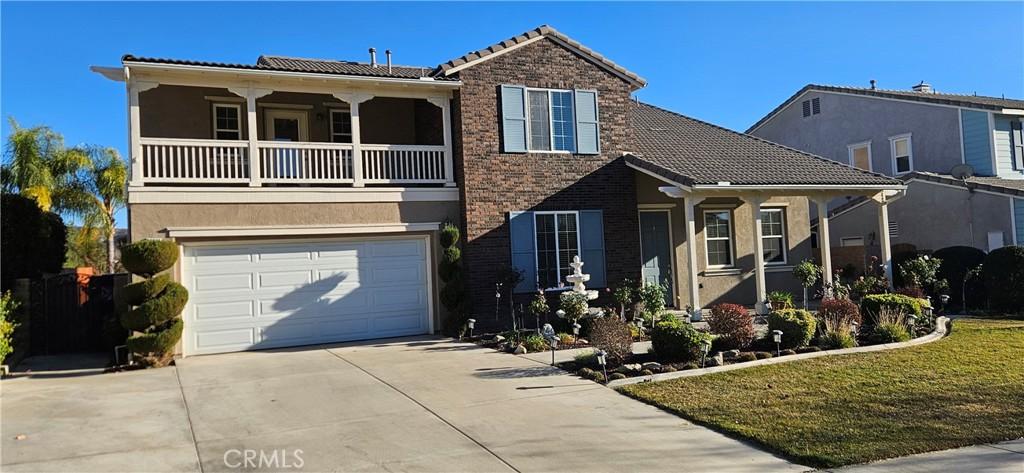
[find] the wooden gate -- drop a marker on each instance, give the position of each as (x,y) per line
(73,312)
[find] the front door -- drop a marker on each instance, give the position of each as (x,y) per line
(656,250)
(286,125)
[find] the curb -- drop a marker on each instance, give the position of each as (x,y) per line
(940,331)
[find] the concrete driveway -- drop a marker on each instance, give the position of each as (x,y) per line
(425,404)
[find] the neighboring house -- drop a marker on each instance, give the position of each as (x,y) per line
(962,157)
(307,194)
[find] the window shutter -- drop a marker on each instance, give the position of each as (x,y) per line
(816,105)
(806,108)
(524,255)
(587,125)
(1018,145)
(592,246)
(513,118)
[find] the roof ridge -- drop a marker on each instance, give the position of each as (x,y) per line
(924,94)
(343,61)
(771,143)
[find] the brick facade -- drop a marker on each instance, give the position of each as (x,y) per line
(493,183)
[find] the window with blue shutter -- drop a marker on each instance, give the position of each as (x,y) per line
(513,118)
(587,129)
(524,255)
(592,247)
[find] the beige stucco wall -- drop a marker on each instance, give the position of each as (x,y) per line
(736,286)
(170,111)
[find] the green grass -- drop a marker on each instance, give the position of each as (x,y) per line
(965,389)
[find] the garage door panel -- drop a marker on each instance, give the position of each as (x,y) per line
(275,295)
(221,282)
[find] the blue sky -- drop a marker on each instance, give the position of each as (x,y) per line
(728,63)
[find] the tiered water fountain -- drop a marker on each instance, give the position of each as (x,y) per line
(577,278)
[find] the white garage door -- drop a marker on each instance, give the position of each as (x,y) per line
(253,296)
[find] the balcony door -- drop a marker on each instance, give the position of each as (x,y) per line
(286,125)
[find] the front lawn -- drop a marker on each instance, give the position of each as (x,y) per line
(965,389)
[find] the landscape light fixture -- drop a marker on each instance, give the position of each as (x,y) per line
(911,321)
(471,323)
(602,360)
(777,338)
(853,328)
(688,318)
(705,347)
(549,334)
(575,332)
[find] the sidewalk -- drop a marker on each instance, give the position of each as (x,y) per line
(998,457)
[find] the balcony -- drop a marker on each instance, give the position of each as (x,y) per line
(209,137)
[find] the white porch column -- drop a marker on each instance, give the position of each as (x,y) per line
(446,117)
(883,234)
(134,129)
(691,201)
(252,124)
(755,202)
(824,242)
(353,100)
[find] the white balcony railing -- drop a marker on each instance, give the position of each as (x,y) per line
(167,160)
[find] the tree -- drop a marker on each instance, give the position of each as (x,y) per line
(98,193)
(41,168)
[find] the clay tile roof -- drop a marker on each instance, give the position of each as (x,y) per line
(543,30)
(693,152)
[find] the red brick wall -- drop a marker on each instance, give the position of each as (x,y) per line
(493,183)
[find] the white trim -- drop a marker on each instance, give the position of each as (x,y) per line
(285,230)
(300,116)
(330,117)
(731,239)
(238,118)
(659,177)
(842,241)
(493,55)
(992,143)
(671,248)
(910,153)
(850,148)
(232,71)
(551,120)
(1013,222)
(224,98)
(285,106)
(783,237)
(960,132)
(655,206)
(536,252)
(1011,111)
(273,195)
(808,187)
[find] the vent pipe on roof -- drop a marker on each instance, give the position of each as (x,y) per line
(923,88)
(387,52)
(872,84)
(373,57)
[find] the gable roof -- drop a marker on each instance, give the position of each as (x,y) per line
(694,153)
(543,31)
(293,64)
(956,100)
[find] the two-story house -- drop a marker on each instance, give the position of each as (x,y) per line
(962,157)
(306,194)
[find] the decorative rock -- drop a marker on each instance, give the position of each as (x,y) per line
(715,360)
(651,365)
(633,367)
(498,339)
(730,354)
(520,350)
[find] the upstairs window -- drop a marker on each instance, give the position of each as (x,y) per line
(341,126)
(549,120)
(902,154)
(860,155)
(226,122)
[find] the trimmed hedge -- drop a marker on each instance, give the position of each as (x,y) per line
(872,304)
(139,292)
(158,310)
(797,326)
(956,262)
(1003,274)
(148,257)
(161,341)
(33,241)
(675,340)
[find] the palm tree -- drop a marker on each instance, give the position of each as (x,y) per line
(41,168)
(98,193)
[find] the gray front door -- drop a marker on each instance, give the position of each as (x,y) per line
(656,250)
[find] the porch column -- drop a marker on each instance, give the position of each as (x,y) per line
(883,234)
(823,239)
(755,202)
(446,118)
(134,129)
(251,94)
(353,100)
(691,201)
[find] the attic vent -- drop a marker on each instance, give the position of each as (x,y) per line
(894,229)
(811,107)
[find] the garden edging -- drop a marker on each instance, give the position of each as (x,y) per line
(941,329)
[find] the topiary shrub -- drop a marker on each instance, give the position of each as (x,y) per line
(158,302)
(453,294)
(797,326)
(733,325)
(33,240)
(148,257)
(957,261)
(612,335)
(872,305)
(1003,273)
(674,340)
